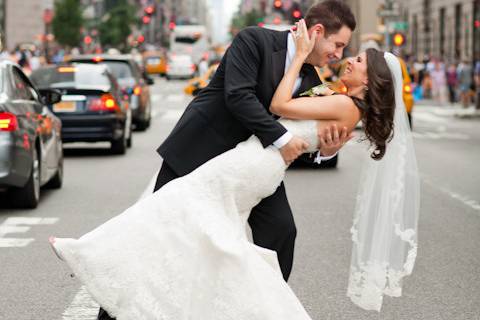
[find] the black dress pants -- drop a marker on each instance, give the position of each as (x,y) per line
(271,222)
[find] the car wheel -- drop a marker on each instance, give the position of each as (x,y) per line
(29,195)
(119,146)
(129,140)
(57,180)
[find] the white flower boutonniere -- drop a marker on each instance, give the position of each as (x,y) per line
(320,90)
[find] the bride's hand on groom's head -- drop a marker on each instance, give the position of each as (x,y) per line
(331,140)
(304,43)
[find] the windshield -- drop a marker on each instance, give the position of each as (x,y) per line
(70,77)
(120,70)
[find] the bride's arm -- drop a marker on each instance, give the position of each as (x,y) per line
(335,107)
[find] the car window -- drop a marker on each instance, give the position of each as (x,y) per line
(70,76)
(121,70)
(22,89)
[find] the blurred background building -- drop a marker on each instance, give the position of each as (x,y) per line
(443,28)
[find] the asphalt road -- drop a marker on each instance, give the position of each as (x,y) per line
(445,283)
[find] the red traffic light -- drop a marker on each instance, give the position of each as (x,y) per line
(149,10)
(278,4)
(146,19)
(477,23)
(87,40)
(297,14)
(140,38)
(172,25)
(398,39)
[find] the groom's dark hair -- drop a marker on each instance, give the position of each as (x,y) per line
(332,14)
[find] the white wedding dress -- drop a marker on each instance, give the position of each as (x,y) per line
(183,253)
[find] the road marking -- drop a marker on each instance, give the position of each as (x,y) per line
(20,225)
(428,117)
(82,307)
(473,204)
(440,135)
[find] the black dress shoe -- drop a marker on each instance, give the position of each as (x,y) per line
(103,315)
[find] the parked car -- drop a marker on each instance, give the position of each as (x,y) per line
(198,83)
(92,107)
(180,66)
(133,81)
(31,153)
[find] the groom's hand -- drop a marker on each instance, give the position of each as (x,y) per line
(293,149)
(331,140)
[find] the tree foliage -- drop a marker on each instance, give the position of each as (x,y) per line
(116,24)
(67,22)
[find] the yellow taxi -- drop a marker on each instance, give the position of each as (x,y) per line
(198,83)
(155,62)
(407,90)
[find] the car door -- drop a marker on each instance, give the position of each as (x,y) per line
(27,97)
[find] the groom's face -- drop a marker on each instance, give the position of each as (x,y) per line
(329,47)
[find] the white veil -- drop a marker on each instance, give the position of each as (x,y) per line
(384,231)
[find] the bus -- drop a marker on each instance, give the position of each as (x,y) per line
(190,40)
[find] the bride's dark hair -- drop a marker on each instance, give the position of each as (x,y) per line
(379,103)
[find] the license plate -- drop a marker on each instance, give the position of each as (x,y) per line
(65,106)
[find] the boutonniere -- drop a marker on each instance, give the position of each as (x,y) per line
(320,90)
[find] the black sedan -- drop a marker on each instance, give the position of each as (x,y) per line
(133,81)
(31,153)
(93,107)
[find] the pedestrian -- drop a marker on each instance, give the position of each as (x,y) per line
(452,82)
(464,71)
(439,83)
(203,65)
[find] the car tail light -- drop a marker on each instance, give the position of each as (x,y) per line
(193,67)
(407,88)
(137,90)
(67,69)
(8,121)
(97,59)
(167,68)
(105,103)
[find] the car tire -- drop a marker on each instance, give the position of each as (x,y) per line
(57,180)
(29,195)
(119,146)
(129,140)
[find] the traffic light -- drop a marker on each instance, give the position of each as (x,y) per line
(149,10)
(398,39)
(146,19)
(172,25)
(141,38)
(477,24)
(278,4)
(296,14)
(87,40)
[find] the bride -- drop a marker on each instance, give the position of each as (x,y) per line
(182,252)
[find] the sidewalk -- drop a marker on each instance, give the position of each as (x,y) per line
(447,110)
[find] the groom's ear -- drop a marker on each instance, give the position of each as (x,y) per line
(319,29)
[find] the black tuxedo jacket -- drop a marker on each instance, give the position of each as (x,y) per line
(236,102)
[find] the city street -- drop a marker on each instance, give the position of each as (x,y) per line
(445,283)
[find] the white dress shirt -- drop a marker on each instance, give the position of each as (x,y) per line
(287,136)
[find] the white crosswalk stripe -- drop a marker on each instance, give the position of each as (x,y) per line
(15,225)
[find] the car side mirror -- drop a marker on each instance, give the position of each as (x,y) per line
(50,96)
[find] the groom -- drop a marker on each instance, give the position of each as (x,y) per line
(236,103)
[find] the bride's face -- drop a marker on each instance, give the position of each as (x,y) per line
(355,73)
